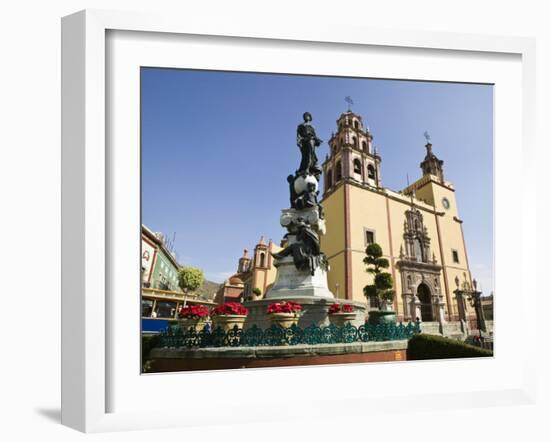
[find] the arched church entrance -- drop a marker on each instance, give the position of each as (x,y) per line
(425,297)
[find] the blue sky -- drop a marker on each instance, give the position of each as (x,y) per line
(217,147)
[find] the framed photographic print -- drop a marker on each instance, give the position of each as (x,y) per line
(280,209)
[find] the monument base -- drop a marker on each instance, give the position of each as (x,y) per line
(315,311)
(292,283)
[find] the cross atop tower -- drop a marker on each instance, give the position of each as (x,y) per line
(427,136)
(349,101)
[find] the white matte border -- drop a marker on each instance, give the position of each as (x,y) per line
(129,50)
(96,24)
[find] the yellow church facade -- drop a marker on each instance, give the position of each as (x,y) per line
(419,229)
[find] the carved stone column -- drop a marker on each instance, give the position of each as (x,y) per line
(439,307)
(461,302)
(407,297)
(415,305)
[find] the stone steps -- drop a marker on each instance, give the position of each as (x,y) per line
(430,328)
(451,330)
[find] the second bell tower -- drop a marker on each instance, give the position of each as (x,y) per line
(352,154)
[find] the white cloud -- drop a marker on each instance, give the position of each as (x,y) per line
(217,276)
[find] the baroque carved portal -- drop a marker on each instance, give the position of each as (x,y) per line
(415,236)
(420,272)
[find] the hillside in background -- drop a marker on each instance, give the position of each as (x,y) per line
(207,290)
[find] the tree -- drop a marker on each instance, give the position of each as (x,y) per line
(190,278)
(382,289)
(257,291)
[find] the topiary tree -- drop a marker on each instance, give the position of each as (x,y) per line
(257,291)
(382,289)
(190,278)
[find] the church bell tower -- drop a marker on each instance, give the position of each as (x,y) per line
(352,154)
(431,164)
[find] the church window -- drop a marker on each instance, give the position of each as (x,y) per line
(354,141)
(364,145)
(370,170)
(329,178)
(262,259)
(357,166)
(455,256)
(356,124)
(338,171)
(369,237)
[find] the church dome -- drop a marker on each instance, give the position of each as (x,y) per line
(235,280)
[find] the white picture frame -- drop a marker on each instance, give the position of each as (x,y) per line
(86,316)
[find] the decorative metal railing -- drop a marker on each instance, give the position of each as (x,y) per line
(176,337)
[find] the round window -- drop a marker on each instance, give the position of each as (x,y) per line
(446,203)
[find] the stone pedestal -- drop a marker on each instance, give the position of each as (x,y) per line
(315,311)
(292,283)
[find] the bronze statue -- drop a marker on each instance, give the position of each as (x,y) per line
(306,251)
(293,195)
(308,199)
(307,142)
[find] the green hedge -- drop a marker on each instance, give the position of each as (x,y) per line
(437,347)
(148,342)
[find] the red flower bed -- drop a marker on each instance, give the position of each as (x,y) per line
(229,308)
(193,312)
(284,307)
(340,308)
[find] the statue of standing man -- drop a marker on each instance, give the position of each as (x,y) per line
(307,142)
